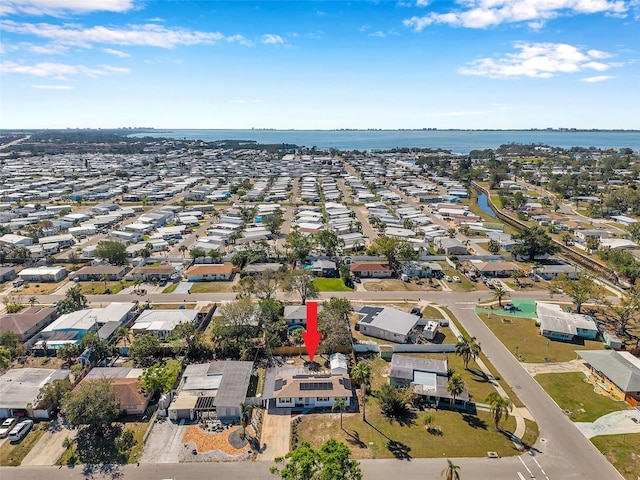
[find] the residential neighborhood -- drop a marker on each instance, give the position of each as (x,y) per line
(173,296)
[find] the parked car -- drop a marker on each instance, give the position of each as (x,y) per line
(447,278)
(510,307)
(457,279)
(357,280)
(6,426)
(20,430)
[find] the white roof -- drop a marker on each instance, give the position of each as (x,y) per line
(164,320)
(553,318)
(42,271)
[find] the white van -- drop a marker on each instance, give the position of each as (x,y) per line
(20,430)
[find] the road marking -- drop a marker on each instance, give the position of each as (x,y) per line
(521,476)
(525,466)
(539,466)
(464,303)
(467,308)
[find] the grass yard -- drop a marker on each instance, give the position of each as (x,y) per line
(465,284)
(98,288)
(331,285)
(172,306)
(35,288)
(623,451)
(431,312)
(522,337)
(170,288)
(463,435)
(12,455)
(396,285)
(211,287)
(572,392)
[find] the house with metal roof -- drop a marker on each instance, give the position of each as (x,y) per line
(19,389)
(213,389)
(427,377)
(162,322)
(616,373)
(557,324)
(387,323)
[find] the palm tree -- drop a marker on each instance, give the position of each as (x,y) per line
(298,340)
(122,333)
(33,300)
(361,373)
(500,407)
(339,404)
(182,249)
(468,349)
(450,472)
(245,417)
(455,386)
(499,293)
(104,279)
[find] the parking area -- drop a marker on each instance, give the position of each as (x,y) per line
(276,434)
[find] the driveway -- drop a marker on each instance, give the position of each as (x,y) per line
(614,423)
(556,367)
(49,448)
(276,434)
(164,443)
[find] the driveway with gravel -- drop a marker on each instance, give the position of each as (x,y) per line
(276,434)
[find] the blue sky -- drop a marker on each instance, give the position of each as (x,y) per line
(320,65)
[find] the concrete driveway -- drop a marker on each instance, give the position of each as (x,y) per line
(614,423)
(164,443)
(276,434)
(49,448)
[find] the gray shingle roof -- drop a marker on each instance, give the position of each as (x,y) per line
(625,373)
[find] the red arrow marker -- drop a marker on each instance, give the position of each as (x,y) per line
(311,335)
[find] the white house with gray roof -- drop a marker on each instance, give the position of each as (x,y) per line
(386,323)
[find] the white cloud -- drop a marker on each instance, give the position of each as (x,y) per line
(538,60)
(378,34)
(58,7)
(489,13)
(271,39)
(117,53)
(423,3)
(150,35)
(58,70)
(599,78)
(52,87)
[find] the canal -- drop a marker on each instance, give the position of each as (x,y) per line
(482,201)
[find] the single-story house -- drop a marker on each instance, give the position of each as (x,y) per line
(371,270)
(15,240)
(19,389)
(297,314)
(43,274)
(26,323)
(387,323)
(215,388)
(549,272)
(495,269)
(306,390)
(425,376)
(208,273)
(557,324)
(618,373)
(146,274)
(422,269)
(256,268)
(131,398)
(113,273)
(162,322)
(449,246)
(324,268)
(7,273)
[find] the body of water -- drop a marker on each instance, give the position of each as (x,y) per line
(484,204)
(459,141)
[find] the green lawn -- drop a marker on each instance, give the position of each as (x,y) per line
(211,287)
(12,455)
(170,288)
(431,312)
(622,451)
(463,435)
(465,285)
(98,288)
(572,392)
(331,285)
(522,337)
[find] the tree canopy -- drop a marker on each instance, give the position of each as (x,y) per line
(160,377)
(113,252)
(581,290)
(533,242)
(144,349)
(93,405)
(330,462)
(73,300)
